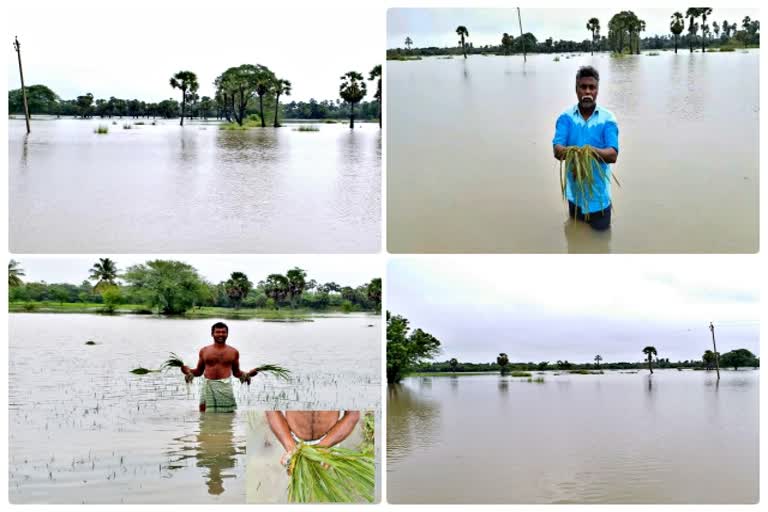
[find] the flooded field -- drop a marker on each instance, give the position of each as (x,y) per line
(84,429)
(195,189)
(675,437)
(470,165)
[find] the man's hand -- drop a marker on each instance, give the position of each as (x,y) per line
(559,151)
(245,379)
(189,378)
(608,155)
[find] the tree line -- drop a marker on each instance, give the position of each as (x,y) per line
(624,36)
(240,92)
(174,287)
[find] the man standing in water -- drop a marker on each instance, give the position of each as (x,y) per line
(583,124)
(319,428)
(218,362)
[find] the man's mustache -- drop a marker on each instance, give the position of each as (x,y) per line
(587,98)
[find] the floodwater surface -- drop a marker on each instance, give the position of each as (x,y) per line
(84,429)
(196,189)
(470,166)
(674,437)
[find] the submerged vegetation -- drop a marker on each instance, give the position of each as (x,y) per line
(102,129)
(407,350)
(330,475)
(582,162)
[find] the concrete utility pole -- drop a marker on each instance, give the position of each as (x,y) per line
(17,47)
(520,22)
(714,346)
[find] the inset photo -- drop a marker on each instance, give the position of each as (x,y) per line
(312,457)
(636,384)
(573,130)
(131,376)
(226,140)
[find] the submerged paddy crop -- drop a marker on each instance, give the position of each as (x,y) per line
(102,129)
(330,475)
(305,128)
(583,162)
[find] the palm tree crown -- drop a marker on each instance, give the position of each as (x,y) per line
(15,273)
(104,272)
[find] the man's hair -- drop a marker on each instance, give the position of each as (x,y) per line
(219,325)
(587,72)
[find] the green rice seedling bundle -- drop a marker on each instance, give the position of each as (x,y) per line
(142,371)
(584,164)
(330,475)
(277,371)
(173,361)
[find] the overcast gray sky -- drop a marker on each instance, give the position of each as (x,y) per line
(344,270)
(437,27)
(131,49)
(544,308)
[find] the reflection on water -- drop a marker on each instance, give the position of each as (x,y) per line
(480,177)
(160,188)
(84,429)
(612,438)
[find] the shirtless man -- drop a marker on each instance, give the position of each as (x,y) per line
(218,362)
(319,428)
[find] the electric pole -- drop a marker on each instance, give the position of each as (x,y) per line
(520,22)
(714,346)
(17,47)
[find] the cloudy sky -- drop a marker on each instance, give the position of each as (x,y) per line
(344,270)
(436,27)
(545,308)
(131,49)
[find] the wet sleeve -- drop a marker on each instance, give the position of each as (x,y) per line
(561,130)
(612,135)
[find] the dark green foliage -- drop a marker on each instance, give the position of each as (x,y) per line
(405,349)
(739,358)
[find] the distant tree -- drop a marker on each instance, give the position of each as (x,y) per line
(265,82)
(237,287)
(281,87)
(598,358)
(650,351)
(375,74)
(709,359)
(104,272)
(462,32)
(503,361)
(374,293)
(408,43)
(692,13)
(172,287)
(111,297)
(704,12)
(593,25)
(405,350)
(676,26)
(542,366)
(352,90)
(740,358)
(40,99)
(296,284)
(277,288)
(454,364)
(84,104)
(185,81)
(506,43)
(15,273)
(564,365)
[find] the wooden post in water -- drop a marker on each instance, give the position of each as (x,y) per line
(714,346)
(520,22)
(17,47)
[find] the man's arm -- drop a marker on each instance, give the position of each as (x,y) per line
(279,426)
(186,370)
(609,155)
(341,430)
(559,151)
(562,126)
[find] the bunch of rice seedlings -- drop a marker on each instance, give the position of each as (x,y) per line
(369,432)
(142,371)
(277,371)
(584,164)
(173,361)
(330,475)
(101,129)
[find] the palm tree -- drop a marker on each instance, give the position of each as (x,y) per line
(676,26)
(593,25)
(639,27)
(265,82)
(716,29)
(704,12)
(373,75)
(352,90)
(280,87)
(186,81)
(454,364)
(408,43)
(104,272)
(598,358)
(692,13)
(462,32)
(503,361)
(708,358)
(15,273)
(650,351)
(237,287)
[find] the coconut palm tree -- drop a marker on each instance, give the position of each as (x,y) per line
(352,90)
(676,26)
(104,272)
(15,273)
(462,32)
(704,12)
(593,25)
(650,351)
(186,81)
(598,358)
(408,43)
(373,75)
(280,87)
(503,361)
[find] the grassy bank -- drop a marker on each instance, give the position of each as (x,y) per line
(203,312)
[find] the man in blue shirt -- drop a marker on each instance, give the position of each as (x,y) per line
(586,123)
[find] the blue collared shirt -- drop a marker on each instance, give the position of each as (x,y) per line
(601,131)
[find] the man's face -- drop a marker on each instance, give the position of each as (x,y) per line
(220,334)
(586,91)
